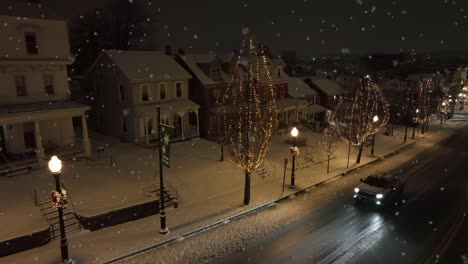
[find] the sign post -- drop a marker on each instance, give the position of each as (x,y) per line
(164,159)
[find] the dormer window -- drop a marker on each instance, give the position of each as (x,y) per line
(216,72)
(278,72)
(31,42)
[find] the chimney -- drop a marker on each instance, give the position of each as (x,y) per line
(168,50)
(181,51)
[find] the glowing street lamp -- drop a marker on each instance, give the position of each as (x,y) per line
(294,151)
(59,200)
(375,119)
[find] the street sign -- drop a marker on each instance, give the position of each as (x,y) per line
(165,140)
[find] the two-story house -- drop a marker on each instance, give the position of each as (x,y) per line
(329,91)
(127,87)
(210,78)
(312,114)
(37,116)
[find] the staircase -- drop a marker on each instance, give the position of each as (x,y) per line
(262,172)
(72,225)
(11,169)
(153,191)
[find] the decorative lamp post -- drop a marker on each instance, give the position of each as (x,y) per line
(60,201)
(294,151)
(442,112)
(375,119)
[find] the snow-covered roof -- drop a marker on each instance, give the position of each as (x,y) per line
(315,108)
(176,105)
(288,102)
(193,61)
(297,88)
(329,87)
(147,65)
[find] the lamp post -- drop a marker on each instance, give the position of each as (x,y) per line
(376,118)
(415,121)
(294,133)
(442,112)
(55,167)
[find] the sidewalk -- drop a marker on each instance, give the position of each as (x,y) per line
(210,190)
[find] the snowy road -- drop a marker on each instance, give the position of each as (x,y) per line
(422,231)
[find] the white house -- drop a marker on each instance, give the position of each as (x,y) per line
(127,86)
(37,116)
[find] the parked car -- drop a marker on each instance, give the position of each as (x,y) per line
(380,190)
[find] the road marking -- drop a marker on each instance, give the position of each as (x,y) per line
(447,240)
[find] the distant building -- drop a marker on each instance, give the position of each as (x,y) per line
(127,86)
(37,116)
(212,74)
(329,91)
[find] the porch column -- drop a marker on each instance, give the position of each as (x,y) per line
(146,130)
(40,154)
(155,124)
(287,117)
(182,124)
(86,142)
(198,123)
(297,114)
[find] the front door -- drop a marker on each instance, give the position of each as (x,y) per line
(177,126)
(29,138)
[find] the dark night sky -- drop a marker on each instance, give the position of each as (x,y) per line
(308,26)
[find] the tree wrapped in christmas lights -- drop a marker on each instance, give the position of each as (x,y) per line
(328,142)
(249,110)
(361,114)
(424,102)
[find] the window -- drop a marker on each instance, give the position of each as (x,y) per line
(49,84)
(278,72)
(124,124)
(162,91)
(217,94)
(20,84)
(144,93)
(178,89)
(31,42)
(122,93)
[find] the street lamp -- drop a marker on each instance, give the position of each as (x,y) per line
(375,119)
(442,112)
(415,121)
(59,201)
(294,133)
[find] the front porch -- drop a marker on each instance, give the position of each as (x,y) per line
(182,115)
(290,112)
(35,132)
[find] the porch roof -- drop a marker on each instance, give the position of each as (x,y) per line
(18,113)
(315,108)
(178,105)
(285,103)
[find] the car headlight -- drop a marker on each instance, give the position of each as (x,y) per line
(379,196)
(356,190)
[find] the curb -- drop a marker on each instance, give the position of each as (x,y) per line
(247,212)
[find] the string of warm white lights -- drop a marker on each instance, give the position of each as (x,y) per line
(249,108)
(364,113)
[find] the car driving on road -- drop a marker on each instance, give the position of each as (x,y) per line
(380,190)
